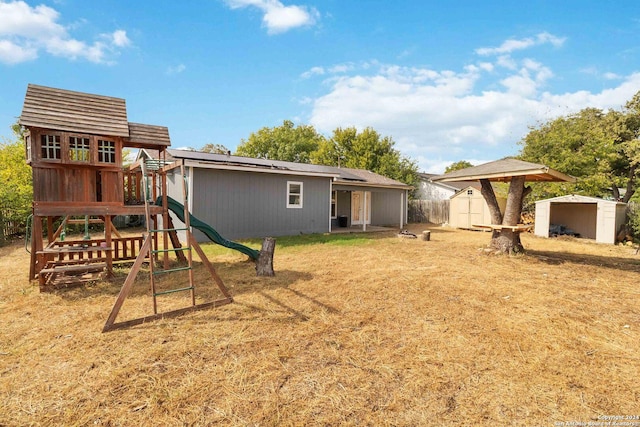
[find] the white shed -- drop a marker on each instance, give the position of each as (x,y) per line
(590,217)
(468,208)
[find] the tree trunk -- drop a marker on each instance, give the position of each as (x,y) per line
(492,202)
(264,264)
(508,241)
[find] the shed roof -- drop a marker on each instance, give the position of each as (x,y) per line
(577,198)
(66,110)
(339,175)
(144,136)
(503,170)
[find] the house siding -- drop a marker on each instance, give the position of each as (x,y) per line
(385,208)
(244,204)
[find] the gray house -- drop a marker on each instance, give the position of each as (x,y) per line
(242,197)
(434,190)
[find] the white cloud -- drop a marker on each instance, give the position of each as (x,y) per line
(11,53)
(25,31)
(120,38)
(437,117)
(512,45)
(176,69)
(277,17)
(314,71)
(611,76)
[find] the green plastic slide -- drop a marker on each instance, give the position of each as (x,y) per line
(178,209)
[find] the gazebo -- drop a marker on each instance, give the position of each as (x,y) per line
(505,225)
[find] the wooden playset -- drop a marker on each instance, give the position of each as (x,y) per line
(74,143)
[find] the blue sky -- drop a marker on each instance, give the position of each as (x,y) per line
(446,80)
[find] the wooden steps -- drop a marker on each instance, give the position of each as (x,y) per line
(65,269)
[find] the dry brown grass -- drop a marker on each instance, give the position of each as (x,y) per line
(380,331)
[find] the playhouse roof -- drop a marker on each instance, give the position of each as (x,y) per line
(66,110)
(503,170)
(147,135)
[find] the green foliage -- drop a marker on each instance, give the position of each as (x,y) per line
(214,149)
(634,219)
(287,142)
(366,150)
(346,148)
(16,188)
(601,149)
(456,166)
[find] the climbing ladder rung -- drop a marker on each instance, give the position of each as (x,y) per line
(172,291)
(169,270)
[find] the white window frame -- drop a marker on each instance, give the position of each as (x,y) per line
(334,203)
(289,194)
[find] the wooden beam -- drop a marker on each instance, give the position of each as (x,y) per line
(194,244)
(174,313)
(128,283)
(516,228)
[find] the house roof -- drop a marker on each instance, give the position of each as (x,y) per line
(577,198)
(339,175)
(503,170)
(65,110)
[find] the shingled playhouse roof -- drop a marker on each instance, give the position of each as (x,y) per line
(505,169)
(70,111)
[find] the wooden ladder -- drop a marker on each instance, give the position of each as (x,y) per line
(150,251)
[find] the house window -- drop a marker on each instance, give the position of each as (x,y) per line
(334,204)
(106,151)
(294,194)
(79,149)
(50,147)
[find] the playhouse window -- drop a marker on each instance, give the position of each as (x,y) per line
(294,194)
(106,151)
(334,204)
(79,149)
(51,147)
(469,192)
(27,141)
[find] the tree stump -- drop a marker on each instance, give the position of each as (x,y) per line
(426,235)
(264,264)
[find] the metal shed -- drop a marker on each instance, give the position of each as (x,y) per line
(589,217)
(468,208)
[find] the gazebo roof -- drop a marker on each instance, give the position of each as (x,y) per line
(503,170)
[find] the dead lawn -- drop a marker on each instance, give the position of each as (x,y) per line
(375,331)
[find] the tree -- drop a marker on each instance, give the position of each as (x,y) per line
(601,149)
(456,166)
(215,149)
(16,187)
(366,150)
(286,142)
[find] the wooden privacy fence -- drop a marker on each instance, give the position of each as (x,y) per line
(433,211)
(10,224)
